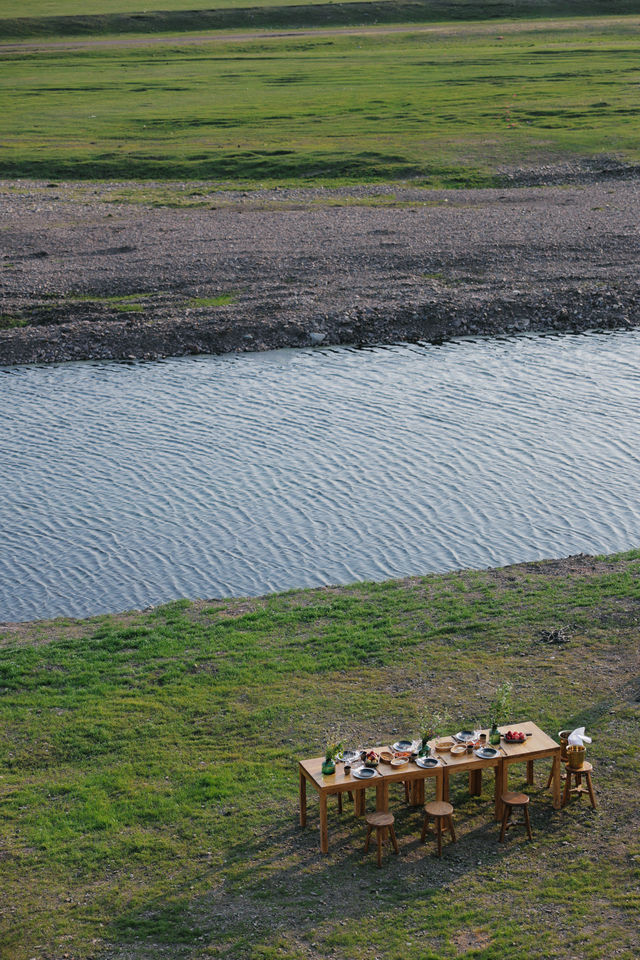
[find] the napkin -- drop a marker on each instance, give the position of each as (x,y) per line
(577,738)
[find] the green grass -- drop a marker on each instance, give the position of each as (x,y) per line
(148,784)
(8,321)
(220,301)
(447,108)
(69,18)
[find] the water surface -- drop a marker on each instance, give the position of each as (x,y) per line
(125,485)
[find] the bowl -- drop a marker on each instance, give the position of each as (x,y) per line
(443,745)
(458,749)
(399,762)
(386,756)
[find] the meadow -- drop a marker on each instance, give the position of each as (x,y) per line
(60,18)
(148,785)
(446,107)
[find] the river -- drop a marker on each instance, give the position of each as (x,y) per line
(130,484)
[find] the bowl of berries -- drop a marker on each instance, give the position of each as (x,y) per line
(515,736)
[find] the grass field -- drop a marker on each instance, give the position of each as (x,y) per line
(148,786)
(60,18)
(447,107)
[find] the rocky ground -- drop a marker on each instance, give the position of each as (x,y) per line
(110,270)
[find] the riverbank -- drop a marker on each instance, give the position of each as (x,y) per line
(149,785)
(145,270)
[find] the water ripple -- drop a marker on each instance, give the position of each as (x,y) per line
(131,484)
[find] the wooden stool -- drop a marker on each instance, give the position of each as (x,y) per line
(579,773)
(441,811)
(511,800)
(380,821)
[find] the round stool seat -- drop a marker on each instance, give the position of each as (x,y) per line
(438,808)
(382,823)
(380,819)
(515,799)
(583,768)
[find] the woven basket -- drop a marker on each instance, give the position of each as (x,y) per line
(576,756)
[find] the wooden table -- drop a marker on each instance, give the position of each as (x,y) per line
(536,746)
(310,771)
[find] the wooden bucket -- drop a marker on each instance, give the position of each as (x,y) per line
(564,742)
(576,756)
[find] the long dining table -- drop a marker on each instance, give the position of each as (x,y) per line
(538,745)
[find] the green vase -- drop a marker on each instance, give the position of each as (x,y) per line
(425,749)
(328,767)
(494,735)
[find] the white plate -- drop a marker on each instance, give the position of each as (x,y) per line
(464,736)
(363,773)
(486,753)
(427,763)
(348,755)
(403,746)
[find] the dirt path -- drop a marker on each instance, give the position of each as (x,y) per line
(306,266)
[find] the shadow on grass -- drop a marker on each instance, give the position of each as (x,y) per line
(276,165)
(278,880)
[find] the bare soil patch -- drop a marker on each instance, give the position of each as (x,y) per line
(84,277)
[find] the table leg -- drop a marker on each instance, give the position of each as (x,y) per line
(475,782)
(303,800)
(359,803)
(445,785)
(556,781)
(382,797)
(324,829)
(416,793)
(502,785)
(439,785)
(529,772)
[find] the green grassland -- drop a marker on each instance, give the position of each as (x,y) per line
(447,107)
(148,785)
(50,18)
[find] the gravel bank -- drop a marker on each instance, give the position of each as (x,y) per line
(358,265)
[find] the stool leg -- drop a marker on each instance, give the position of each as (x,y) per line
(453,832)
(392,833)
(592,795)
(424,828)
(366,843)
(527,821)
(567,788)
(339,803)
(505,817)
(439,832)
(379,839)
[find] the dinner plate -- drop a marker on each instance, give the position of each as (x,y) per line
(426,762)
(486,753)
(349,755)
(364,773)
(403,746)
(463,736)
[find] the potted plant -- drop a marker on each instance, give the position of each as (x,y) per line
(334,746)
(499,710)
(432,724)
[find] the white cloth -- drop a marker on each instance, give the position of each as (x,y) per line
(577,738)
